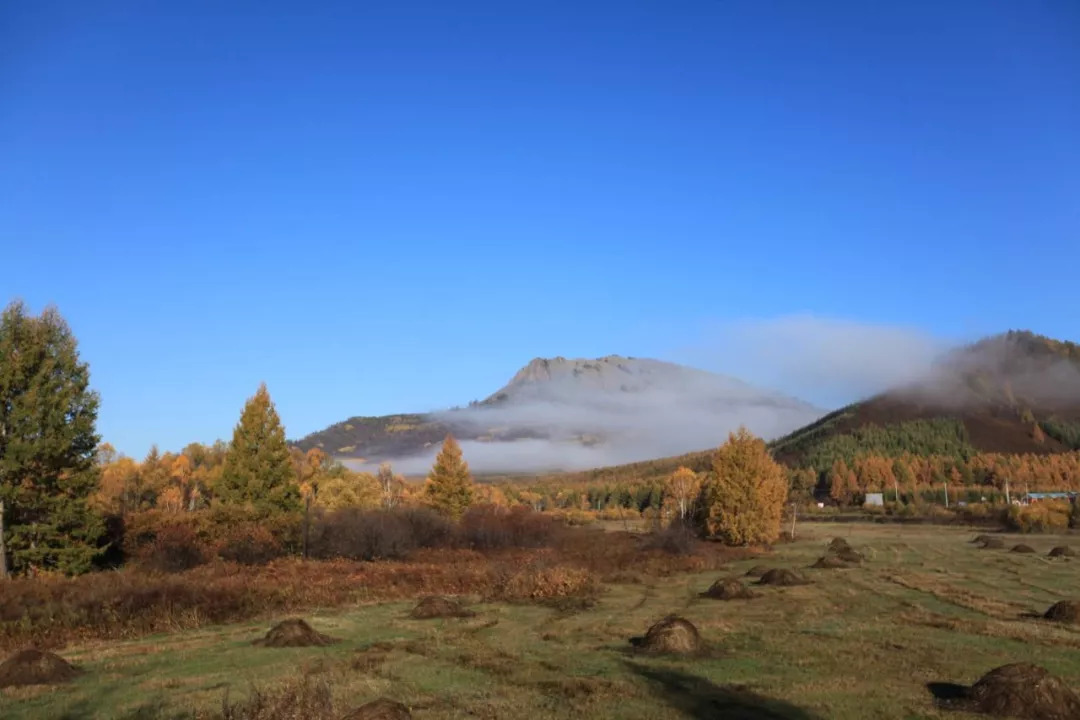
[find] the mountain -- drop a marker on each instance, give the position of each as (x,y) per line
(987,397)
(559,413)
(1013,393)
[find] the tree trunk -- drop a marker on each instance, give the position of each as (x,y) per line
(3,545)
(307,523)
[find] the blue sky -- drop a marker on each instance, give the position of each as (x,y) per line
(391,207)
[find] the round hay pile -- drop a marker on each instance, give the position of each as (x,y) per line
(34,667)
(849,555)
(728,589)
(294,632)
(1062,551)
(1022,548)
(672,635)
(1066,611)
(830,562)
(757,571)
(783,578)
(381,709)
(993,543)
(436,606)
(838,543)
(1022,690)
(980,538)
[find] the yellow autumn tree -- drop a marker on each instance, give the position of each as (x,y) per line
(449,487)
(681,491)
(744,497)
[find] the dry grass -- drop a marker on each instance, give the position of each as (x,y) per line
(926,607)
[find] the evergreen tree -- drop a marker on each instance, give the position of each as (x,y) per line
(258,470)
(744,498)
(48,444)
(450,485)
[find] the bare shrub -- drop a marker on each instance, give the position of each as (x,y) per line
(249,544)
(175,548)
(491,527)
(676,539)
(378,534)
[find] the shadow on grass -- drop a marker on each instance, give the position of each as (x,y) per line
(949,696)
(699,698)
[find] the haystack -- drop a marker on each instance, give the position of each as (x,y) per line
(838,543)
(849,555)
(1066,611)
(381,709)
(1022,690)
(980,538)
(831,562)
(1062,551)
(728,589)
(436,606)
(1022,548)
(672,635)
(34,667)
(757,571)
(782,577)
(294,632)
(993,543)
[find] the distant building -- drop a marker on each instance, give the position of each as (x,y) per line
(1040,496)
(874,499)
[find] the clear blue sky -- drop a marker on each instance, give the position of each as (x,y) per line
(381,207)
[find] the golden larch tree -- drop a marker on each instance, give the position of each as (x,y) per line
(683,488)
(449,486)
(744,497)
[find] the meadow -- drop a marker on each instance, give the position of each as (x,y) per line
(926,606)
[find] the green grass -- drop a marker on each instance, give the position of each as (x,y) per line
(926,606)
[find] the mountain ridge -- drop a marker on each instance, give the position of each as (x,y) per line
(617,405)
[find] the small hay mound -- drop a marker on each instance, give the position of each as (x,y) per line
(849,555)
(34,667)
(1062,551)
(672,635)
(1066,611)
(381,709)
(728,589)
(838,543)
(1022,548)
(831,562)
(783,578)
(980,538)
(436,606)
(757,571)
(294,632)
(993,543)
(1022,690)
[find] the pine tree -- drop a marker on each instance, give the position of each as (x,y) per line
(48,445)
(744,498)
(258,470)
(450,485)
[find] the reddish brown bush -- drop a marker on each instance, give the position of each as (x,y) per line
(249,544)
(175,548)
(491,527)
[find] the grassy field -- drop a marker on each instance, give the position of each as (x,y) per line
(926,606)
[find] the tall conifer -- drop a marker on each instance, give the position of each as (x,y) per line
(258,470)
(48,445)
(450,485)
